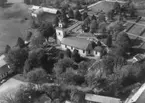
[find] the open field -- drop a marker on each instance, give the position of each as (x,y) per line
(12,25)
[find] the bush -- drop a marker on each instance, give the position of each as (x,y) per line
(37,75)
(63,64)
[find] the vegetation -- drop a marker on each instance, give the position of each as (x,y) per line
(36,76)
(16,58)
(40,62)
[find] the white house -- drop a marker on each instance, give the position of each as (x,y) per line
(38,9)
(84,46)
(91,98)
(70,41)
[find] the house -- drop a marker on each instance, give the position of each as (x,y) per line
(38,9)
(85,47)
(4,68)
(91,98)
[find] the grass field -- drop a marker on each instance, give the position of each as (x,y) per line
(11,25)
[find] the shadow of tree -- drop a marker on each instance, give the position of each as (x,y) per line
(136,42)
(135,51)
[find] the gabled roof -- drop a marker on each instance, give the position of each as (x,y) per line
(79,43)
(101,99)
(2,61)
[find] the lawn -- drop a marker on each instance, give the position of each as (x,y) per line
(12,24)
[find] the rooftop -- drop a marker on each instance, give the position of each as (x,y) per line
(74,26)
(80,43)
(103,5)
(136,28)
(101,99)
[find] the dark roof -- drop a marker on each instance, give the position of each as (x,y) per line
(4,69)
(98,49)
(79,43)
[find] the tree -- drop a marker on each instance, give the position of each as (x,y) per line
(70,77)
(2,3)
(26,94)
(77,15)
(35,58)
(71,13)
(47,30)
(84,16)
(78,97)
(29,35)
(108,63)
(93,26)
(102,27)
(78,5)
(85,25)
(61,55)
(109,41)
(116,7)
(68,53)
(63,64)
(27,2)
(37,41)
(56,21)
(16,58)
(101,17)
(132,10)
(83,67)
(37,75)
(93,17)
(86,8)
(110,15)
(123,41)
(20,43)
(76,56)
(7,49)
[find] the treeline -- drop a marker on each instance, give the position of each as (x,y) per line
(59,3)
(2,3)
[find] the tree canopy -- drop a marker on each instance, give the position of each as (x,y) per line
(77,15)
(46,29)
(93,26)
(71,13)
(36,76)
(16,58)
